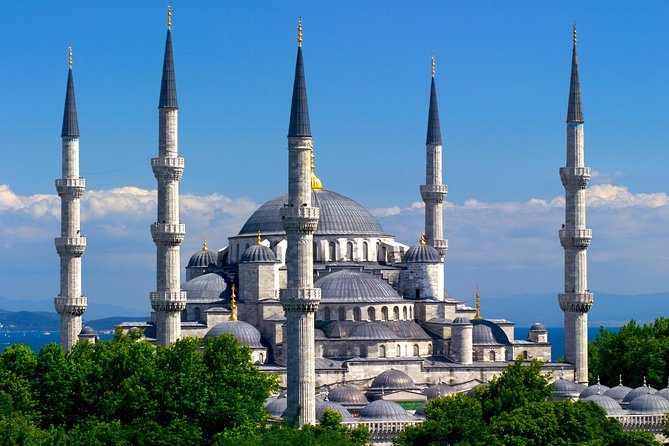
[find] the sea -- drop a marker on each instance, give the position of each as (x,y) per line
(36,340)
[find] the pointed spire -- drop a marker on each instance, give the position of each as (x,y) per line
(233,304)
(70,121)
(433,129)
(168,87)
(299,109)
(477,305)
(575,109)
(259,241)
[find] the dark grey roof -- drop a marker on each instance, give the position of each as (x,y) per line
(420,412)
(393,380)
(461,320)
(168,86)
(648,403)
(594,390)
(353,286)
(618,392)
(372,330)
(347,395)
(339,215)
(433,129)
(244,332)
(337,329)
(87,330)
(202,259)
(422,254)
(276,406)
(575,108)
(635,393)
(299,109)
(607,403)
(206,286)
(538,326)
(407,330)
(438,390)
(258,254)
(488,333)
(321,406)
(384,410)
(563,389)
(70,122)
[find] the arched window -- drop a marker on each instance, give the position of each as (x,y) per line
(349,251)
(371,314)
(396,313)
(384,254)
(411,313)
(429,349)
(333,251)
(365,251)
(524,355)
(342,314)
(404,313)
(384,313)
(356,314)
(492,355)
(315,251)
(326,314)
(196,313)
(237,252)
(398,349)
(378,251)
(416,350)
(417,293)
(382,351)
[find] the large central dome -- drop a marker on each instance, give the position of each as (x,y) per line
(339,215)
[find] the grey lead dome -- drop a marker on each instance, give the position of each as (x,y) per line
(384,410)
(354,286)
(258,254)
(422,254)
(393,380)
(244,332)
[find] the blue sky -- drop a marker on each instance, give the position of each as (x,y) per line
(502,77)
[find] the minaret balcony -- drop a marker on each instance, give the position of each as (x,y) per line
(575,238)
(576,302)
(71,186)
(299,219)
(71,246)
(433,193)
(168,168)
(168,234)
(575,177)
(304,300)
(75,306)
(441,246)
(168,300)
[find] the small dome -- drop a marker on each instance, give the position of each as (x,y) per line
(354,286)
(618,393)
(244,332)
(420,412)
(648,404)
(335,407)
(564,389)
(610,405)
(393,380)
(635,393)
(372,330)
(488,333)
(202,259)
(538,326)
(461,320)
(206,286)
(347,395)
(258,254)
(595,389)
(87,330)
(422,254)
(276,406)
(384,410)
(664,393)
(438,390)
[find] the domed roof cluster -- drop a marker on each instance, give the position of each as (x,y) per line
(422,253)
(354,286)
(203,258)
(384,410)
(438,390)
(258,254)
(393,380)
(641,390)
(347,395)
(488,333)
(339,215)
(206,286)
(595,389)
(244,332)
(648,403)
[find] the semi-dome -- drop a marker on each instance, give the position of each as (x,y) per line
(347,395)
(610,406)
(384,410)
(203,258)
(258,254)
(393,380)
(422,253)
(206,286)
(339,215)
(244,332)
(648,404)
(488,333)
(321,406)
(619,392)
(438,390)
(372,330)
(354,286)
(635,393)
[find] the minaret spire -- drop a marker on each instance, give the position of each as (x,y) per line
(168,232)
(300,299)
(433,191)
(70,303)
(575,237)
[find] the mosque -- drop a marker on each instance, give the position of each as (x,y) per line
(316,288)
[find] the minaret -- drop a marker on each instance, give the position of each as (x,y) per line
(168,232)
(300,299)
(433,192)
(577,299)
(70,303)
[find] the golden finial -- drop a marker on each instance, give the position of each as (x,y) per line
(259,241)
(477,306)
(299,32)
(69,52)
(422,239)
(315,181)
(204,245)
(574,34)
(169,16)
(233,305)
(433,65)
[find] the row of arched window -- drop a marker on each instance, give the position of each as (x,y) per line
(334,252)
(399,313)
(386,351)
